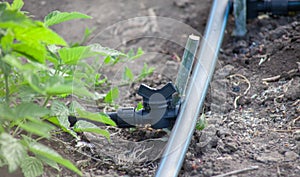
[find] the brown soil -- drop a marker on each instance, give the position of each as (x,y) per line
(253,105)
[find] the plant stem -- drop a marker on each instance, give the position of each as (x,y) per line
(6,89)
(46,101)
(49,96)
(39,138)
(16,130)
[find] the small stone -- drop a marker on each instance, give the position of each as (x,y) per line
(223,72)
(242,43)
(232,146)
(290,156)
(297,149)
(293,93)
(244,101)
(42,2)
(241,47)
(277,33)
(223,132)
(269,157)
(297,135)
(181,3)
(208,172)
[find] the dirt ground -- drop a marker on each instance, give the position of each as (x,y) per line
(252,108)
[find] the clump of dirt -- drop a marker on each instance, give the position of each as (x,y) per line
(256,128)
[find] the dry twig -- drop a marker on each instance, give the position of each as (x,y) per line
(278,171)
(272,79)
(282,131)
(286,75)
(235,101)
(294,121)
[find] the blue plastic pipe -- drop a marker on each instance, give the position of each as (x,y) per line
(183,129)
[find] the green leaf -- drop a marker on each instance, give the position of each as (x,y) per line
(7,41)
(139,106)
(26,140)
(128,75)
(53,48)
(146,71)
(33,124)
(54,120)
(56,17)
(12,150)
(3,6)
(84,126)
(6,112)
(49,162)
(34,82)
(13,19)
(107,59)
(201,123)
(45,151)
(6,68)
(1,130)
(40,33)
(58,85)
(105,51)
(26,93)
(59,88)
(132,56)
(59,110)
(98,80)
(139,53)
(60,115)
(2,161)
(74,106)
(82,91)
(12,61)
(87,34)
(17,5)
(73,55)
(32,167)
(103,118)
(80,88)
(33,51)
(30,66)
(24,110)
(37,127)
(112,95)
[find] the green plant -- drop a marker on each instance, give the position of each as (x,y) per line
(201,122)
(37,67)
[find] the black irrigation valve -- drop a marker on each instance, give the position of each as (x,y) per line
(158,109)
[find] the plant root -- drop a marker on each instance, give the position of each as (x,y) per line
(235,103)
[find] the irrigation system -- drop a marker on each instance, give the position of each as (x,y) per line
(178,105)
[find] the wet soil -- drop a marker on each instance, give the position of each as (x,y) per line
(252,107)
